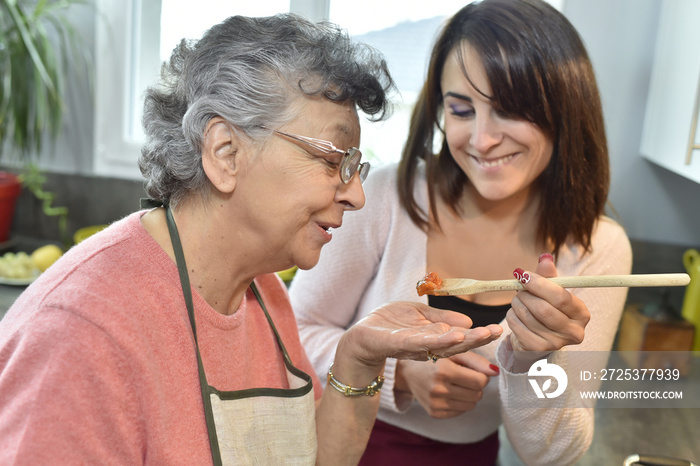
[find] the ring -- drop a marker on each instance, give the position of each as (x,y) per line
(433,357)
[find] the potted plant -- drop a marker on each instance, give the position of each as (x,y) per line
(37,44)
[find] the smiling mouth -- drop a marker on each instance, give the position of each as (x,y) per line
(493,163)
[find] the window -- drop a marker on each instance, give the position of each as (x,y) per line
(185,18)
(139,34)
(130,38)
(404,31)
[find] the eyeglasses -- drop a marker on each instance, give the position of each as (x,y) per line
(351,157)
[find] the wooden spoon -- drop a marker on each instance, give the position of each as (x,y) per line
(465,286)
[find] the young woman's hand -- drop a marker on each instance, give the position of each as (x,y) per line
(447,389)
(545,317)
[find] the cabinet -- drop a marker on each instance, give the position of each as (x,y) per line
(671,135)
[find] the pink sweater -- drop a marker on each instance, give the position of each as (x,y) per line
(97,359)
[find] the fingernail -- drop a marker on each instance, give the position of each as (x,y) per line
(546,256)
(495,369)
(522,276)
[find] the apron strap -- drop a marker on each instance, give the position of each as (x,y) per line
(288,361)
(148,203)
(187,293)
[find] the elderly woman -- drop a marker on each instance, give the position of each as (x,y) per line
(167,338)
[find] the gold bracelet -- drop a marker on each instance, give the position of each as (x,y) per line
(370,390)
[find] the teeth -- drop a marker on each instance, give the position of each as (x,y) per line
(495,163)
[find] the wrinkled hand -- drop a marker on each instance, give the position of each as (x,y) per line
(545,317)
(408,330)
(449,388)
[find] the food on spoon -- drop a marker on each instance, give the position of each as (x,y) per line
(429,284)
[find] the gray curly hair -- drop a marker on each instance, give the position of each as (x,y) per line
(249,71)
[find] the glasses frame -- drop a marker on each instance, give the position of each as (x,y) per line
(347,169)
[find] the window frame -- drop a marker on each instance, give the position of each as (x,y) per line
(127,59)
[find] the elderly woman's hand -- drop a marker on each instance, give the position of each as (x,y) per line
(545,317)
(408,330)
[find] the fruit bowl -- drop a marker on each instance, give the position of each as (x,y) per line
(21,268)
(17,269)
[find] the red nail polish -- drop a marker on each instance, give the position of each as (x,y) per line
(546,256)
(522,276)
(495,369)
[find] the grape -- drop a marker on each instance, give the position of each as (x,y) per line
(16,265)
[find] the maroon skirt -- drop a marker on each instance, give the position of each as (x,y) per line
(392,445)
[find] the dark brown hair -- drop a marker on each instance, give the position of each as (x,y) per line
(539,71)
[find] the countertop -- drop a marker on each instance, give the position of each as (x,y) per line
(8,294)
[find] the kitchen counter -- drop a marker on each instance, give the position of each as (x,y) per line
(8,294)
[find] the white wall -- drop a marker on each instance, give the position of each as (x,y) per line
(653,204)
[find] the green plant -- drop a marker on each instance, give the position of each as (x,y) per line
(38,44)
(34,180)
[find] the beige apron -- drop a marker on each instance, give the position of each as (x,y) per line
(261,426)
